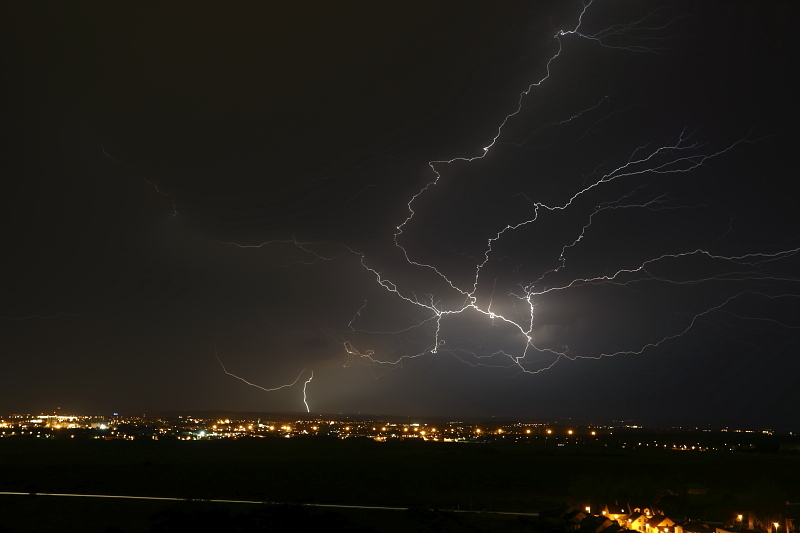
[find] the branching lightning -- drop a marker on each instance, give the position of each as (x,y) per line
(266,389)
(681,154)
(621,209)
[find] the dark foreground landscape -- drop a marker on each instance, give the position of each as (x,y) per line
(427,480)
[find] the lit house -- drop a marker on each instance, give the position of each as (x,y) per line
(615,511)
(660,524)
(638,519)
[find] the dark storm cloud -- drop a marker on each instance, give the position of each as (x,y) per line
(185,183)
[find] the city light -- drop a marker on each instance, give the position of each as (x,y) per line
(188,428)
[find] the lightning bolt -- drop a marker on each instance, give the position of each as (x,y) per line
(266,389)
(305,387)
(140,177)
(680,154)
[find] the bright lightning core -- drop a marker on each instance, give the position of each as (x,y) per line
(514,271)
(580,230)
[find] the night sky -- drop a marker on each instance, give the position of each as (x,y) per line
(189,186)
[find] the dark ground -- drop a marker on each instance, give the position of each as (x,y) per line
(481,477)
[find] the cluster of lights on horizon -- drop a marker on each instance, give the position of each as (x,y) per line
(557,435)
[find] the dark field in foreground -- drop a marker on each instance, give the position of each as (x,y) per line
(424,475)
(87,515)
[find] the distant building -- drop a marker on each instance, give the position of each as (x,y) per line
(637,521)
(599,524)
(616,511)
(660,524)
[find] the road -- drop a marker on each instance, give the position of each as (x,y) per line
(328,505)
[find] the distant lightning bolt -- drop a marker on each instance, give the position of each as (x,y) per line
(692,323)
(142,178)
(576,116)
(267,389)
(305,386)
(634,30)
(311,256)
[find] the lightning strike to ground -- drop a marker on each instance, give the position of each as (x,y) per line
(682,154)
(305,395)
